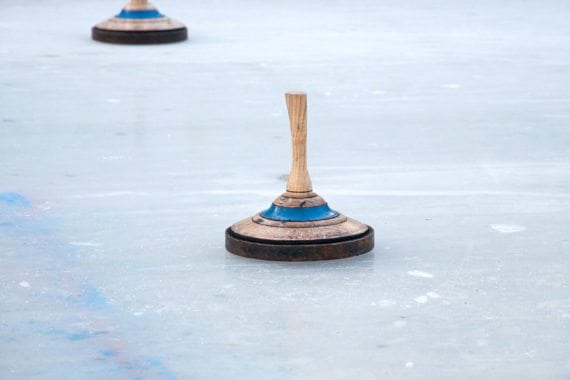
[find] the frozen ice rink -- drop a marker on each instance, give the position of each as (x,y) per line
(445,125)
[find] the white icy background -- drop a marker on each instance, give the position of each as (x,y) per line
(445,125)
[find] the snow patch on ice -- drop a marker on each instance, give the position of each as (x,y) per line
(421,299)
(419,273)
(507,228)
(383,303)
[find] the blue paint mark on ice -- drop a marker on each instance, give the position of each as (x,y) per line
(161,368)
(58,333)
(89,297)
(84,334)
(14,199)
(103,328)
(108,353)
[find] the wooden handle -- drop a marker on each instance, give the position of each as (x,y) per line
(299,180)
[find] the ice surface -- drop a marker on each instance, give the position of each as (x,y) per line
(445,125)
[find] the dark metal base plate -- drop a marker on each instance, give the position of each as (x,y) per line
(299,250)
(139,38)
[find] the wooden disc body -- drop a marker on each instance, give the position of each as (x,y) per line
(139,37)
(299,229)
(139,22)
(300,250)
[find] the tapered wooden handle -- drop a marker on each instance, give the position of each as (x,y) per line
(299,180)
(138,5)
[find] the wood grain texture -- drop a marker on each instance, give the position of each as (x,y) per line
(284,201)
(139,5)
(258,227)
(299,180)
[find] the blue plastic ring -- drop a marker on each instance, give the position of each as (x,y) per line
(147,13)
(299,214)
